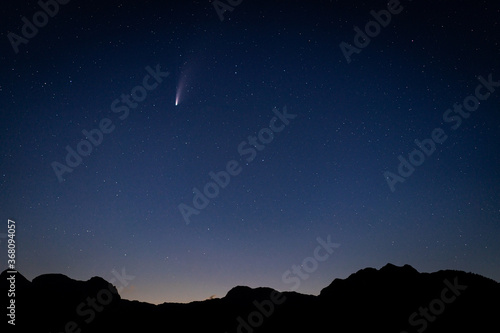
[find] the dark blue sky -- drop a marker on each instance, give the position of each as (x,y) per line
(320,174)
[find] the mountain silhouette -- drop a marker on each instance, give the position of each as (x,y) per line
(392,299)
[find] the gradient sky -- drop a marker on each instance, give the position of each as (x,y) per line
(322,175)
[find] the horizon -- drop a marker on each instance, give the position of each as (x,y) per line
(116,282)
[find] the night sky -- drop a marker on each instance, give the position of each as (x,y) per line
(282,123)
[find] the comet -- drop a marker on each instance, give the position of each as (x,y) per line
(180,90)
(178,96)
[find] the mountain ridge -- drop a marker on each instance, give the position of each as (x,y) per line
(386,298)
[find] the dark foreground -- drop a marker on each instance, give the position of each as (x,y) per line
(392,299)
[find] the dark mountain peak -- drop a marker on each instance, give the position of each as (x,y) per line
(62,281)
(21,282)
(240,293)
(52,279)
(369,277)
(238,290)
(19,277)
(59,286)
(98,282)
(405,270)
(389,266)
(391,269)
(388,271)
(58,283)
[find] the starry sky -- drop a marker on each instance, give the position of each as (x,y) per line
(171,93)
